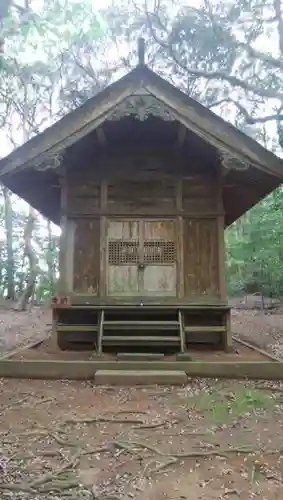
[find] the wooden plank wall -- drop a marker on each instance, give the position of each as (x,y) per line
(147,187)
(201,261)
(87,256)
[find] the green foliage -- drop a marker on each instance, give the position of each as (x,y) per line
(233,405)
(255,249)
(280,134)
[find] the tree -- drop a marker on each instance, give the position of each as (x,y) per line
(32,97)
(222,46)
(31,255)
(8,218)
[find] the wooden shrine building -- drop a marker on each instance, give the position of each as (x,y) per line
(143,181)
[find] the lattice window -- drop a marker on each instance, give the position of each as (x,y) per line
(159,252)
(123,252)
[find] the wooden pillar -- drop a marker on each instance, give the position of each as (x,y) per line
(63,226)
(103,239)
(67,241)
(53,344)
(221,259)
(223,292)
(180,239)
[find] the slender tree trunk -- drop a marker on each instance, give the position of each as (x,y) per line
(9,243)
(29,252)
(32,258)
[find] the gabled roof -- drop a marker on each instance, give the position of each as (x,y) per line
(224,137)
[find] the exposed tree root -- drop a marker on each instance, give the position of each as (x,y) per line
(24,488)
(270,388)
(49,476)
(50,481)
(96,420)
(58,486)
(59,440)
(42,401)
(43,453)
(173,458)
(94,451)
(191,454)
(232,491)
(150,426)
(18,403)
(134,412)
(160,467)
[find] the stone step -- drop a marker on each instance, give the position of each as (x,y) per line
(139,377)
(139,356)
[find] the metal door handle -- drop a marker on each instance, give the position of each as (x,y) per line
(141,265)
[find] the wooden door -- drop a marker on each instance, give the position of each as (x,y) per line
(159,258)
(123,258)
(141,258)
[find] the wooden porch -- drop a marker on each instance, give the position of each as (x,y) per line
(163,329)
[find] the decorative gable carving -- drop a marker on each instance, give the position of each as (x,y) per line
(140,106)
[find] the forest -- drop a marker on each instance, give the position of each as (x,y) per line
(55,54)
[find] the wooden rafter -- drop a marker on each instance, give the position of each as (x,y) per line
(182,134)
(101,136)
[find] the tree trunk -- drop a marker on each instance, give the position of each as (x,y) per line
(31,255)
(9,243)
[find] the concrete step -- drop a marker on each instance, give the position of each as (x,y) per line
(139,356)
(139,377)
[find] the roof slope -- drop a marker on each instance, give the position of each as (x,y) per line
(77,124)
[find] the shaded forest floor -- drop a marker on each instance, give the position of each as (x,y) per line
(262,330)
(19,328)
(208,440)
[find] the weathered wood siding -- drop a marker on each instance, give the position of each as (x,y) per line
(83,195)
(141,183)
(201,258)
(156,196)
(145,187)
(199,194)
(87,256)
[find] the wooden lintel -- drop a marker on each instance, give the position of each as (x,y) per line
(101,136)
(164,215)
(182,133)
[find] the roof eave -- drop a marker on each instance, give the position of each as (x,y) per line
(96,110)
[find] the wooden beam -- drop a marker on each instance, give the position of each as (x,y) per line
(101,136)
(83,370)
(257,349)
(31,345)
(182,134)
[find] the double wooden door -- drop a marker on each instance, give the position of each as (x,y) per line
(141,258)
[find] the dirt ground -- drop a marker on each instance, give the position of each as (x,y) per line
(19,328)
(208,440)
(263,330)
